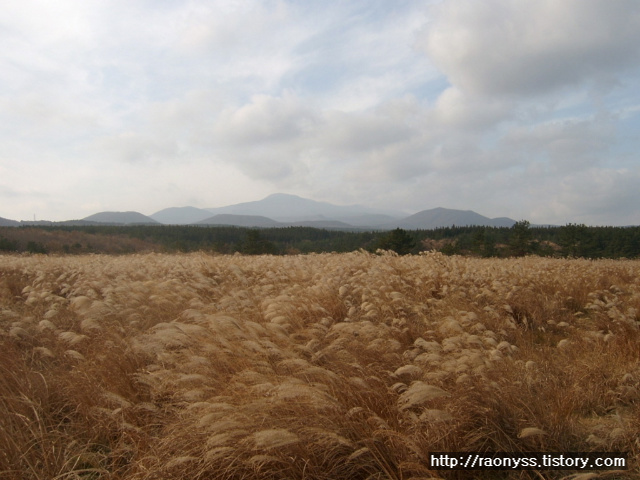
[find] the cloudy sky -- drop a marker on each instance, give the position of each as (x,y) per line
(519,108)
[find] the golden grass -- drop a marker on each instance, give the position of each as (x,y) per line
(311,367)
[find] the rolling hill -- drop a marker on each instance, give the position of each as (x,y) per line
(181,215)
(120,218)
(5,222)
(446,217)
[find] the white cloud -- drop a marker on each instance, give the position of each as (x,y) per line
(266,120)
(132,147)
(457,110)
(519,47)
(508,107)
(597,196)
(567,146)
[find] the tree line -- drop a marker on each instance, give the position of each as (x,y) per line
(571,240)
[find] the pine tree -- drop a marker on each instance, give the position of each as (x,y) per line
(399,241)
(520,238)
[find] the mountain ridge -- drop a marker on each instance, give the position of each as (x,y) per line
(285,207)
(284,210)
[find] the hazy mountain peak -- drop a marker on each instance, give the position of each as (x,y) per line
(119,218)
(446,217)
(285,207)
(181,215)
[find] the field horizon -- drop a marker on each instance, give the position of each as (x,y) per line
(320,366)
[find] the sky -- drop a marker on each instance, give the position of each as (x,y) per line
(517,108)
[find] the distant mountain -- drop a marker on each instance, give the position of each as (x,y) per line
(5,222)
(181,215)
(279,210)
(424,220)
(283,210)
(446,217)
(120,218)
(241,221)
(292,208)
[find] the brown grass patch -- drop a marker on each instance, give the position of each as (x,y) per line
(311,367)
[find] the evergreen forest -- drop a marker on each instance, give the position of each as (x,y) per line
(521,239)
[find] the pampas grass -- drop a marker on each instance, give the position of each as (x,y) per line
(531,431)
(311,367)
(418,394)
(274,438)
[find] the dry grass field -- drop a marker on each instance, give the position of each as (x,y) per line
(332,366)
